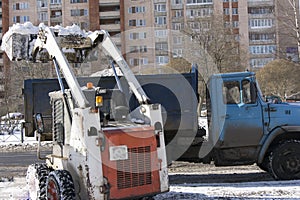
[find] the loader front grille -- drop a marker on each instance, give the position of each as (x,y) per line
(136,170)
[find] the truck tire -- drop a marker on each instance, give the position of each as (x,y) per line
(285,160)
(36,178)
(60,186)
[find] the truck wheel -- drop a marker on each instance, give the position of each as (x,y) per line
(36,180)
(60,186)
(285,160)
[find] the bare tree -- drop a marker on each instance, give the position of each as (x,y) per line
(287,15)
(216,36)
(280,78)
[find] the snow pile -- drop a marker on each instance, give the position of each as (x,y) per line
(107,72)
(19,40)
(69,30)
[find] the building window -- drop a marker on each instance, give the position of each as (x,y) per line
(161,60)
(177,40)
(174,2)
(43,16)
(263,49)
(177,13)
(55,1)
(138,36)
(176,26)
(261,23)
(78,1)
(21,6)
(79,12)
(235,24)
(260,10)
(162,20)
(199,2)
(138,61)
(42,4)
(260,62)
(177,53)
(138,49)
(161,33)
(20,19)
(226,11)
(235,11)
(202,12)
(161,46)
(262,37)
(137,9)
(160,7)
(137,22)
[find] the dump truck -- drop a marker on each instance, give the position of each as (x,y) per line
(242,127)
(100,150)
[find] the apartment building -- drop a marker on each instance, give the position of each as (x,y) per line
(262,31)
(2,90)
(145,30)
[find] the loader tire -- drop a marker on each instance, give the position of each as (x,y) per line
(285,160)
(36,180)
(60,186)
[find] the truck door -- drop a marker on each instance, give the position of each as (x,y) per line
(243,125)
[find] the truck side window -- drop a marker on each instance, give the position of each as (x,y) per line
(249,96)
(231,92)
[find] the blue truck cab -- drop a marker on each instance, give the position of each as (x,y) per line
(244,128)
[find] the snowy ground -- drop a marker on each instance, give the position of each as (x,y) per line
(187,181)
(249,190)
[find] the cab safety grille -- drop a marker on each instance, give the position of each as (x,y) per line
(136,170)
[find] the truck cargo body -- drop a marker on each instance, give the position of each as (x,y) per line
(175,92)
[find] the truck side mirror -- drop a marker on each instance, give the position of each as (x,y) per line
(39,123)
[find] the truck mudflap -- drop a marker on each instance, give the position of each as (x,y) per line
(130,162)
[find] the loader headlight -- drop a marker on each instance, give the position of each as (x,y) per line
(99,101)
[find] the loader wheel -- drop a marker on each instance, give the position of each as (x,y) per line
(60,186)
(36,180)
(285,161)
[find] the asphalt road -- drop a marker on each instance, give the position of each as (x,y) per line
(16,163)
(17,158)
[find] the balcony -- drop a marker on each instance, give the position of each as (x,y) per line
(261,16)
(177,6)
(196,5)
(110,27)
(56,18)
(254,3)
(160,1)
(110,14)
(55,6)
(109,2)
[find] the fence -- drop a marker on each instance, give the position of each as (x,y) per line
(11,130)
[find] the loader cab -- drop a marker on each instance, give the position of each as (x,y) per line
(110,103)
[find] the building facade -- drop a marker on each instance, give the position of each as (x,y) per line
(143,30)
